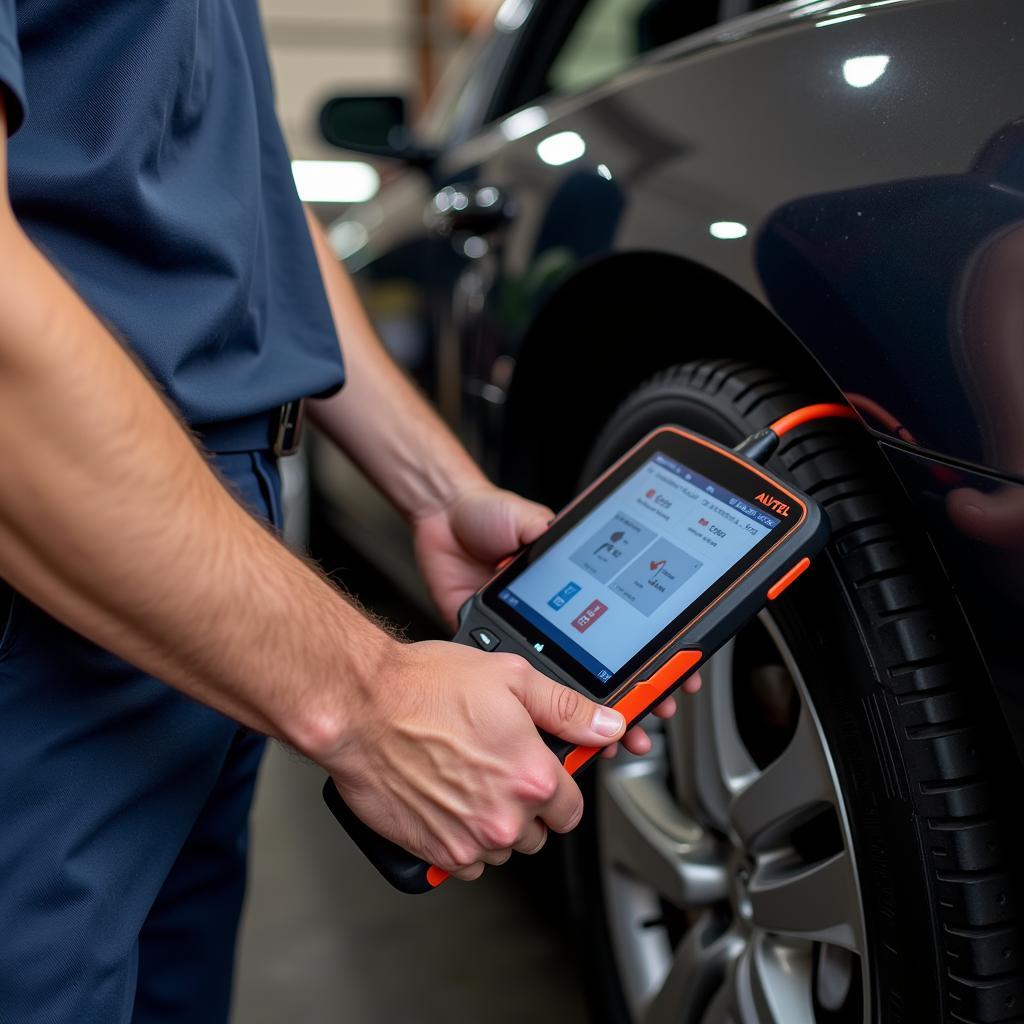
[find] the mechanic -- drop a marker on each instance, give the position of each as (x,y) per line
(159,281)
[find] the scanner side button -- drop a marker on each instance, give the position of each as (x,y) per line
(787,578)
(682,663)
(657,684)
(486,639)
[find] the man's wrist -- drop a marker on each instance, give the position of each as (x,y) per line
(353,678)
(437,488)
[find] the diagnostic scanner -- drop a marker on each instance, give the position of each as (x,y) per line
(636,583)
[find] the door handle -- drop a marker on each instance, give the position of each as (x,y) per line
(474,209)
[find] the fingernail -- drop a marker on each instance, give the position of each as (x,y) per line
(607,722)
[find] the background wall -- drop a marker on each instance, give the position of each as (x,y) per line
(322,47)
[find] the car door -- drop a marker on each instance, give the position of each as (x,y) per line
(497,208)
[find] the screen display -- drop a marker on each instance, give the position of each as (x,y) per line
(639,558)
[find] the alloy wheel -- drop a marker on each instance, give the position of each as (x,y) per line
(726,859)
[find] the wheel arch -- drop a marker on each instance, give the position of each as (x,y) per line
(569,365)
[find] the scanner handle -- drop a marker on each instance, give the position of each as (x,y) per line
(409,874)
(403,870)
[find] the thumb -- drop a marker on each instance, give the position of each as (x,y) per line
(490,523)
(533,520)
(566,713)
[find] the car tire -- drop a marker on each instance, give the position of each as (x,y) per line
(882,671)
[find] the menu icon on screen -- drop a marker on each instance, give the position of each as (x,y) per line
(655,575)
(589,616)
(604,553)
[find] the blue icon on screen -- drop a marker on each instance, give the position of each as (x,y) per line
(569,591)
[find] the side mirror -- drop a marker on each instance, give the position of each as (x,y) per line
(375,125)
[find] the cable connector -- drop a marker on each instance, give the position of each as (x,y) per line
(760,446)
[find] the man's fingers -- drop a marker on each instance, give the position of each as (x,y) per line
(470,874)
(692,685)
(496,857)
(567,713)
(667,708)
(563,811)
(532,841)
(534,837)
(636,741)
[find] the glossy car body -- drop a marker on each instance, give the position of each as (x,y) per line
(813,184)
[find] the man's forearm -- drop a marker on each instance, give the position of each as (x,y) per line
(111,520)
(379,418)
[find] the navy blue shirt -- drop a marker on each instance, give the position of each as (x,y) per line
(147,163)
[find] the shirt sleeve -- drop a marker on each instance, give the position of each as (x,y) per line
(12,81)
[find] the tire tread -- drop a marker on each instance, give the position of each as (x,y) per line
(953,789)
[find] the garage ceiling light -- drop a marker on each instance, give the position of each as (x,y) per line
(561,148)
(728,229)
(335,181)
(861,72)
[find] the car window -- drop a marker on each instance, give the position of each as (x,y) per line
(609,35)
(455,106)
(465,97)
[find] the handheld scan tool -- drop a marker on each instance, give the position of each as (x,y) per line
(636,583)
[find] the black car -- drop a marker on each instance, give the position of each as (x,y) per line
(621,214)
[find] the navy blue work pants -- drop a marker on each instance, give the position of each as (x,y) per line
(123,825)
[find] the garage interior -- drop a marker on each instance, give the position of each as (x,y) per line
(737,285)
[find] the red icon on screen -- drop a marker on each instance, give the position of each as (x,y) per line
(651,493)
(656,569)
(589,616)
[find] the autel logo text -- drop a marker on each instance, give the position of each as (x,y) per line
(773,503)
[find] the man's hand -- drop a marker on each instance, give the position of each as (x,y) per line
(442,756)
(459,546)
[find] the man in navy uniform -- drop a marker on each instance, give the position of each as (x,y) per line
(162,292)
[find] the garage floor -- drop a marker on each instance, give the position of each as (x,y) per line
(325,940)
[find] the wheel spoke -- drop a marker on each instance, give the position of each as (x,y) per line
(698,968)
(814,902)
(722,1008)
(709,761)
(646,834)
(699,824)
(787,792)
(773,984)
(643,953)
